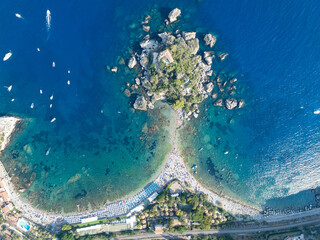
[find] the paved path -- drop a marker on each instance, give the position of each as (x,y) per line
(255,229)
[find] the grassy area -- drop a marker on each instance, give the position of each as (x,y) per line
(100,221)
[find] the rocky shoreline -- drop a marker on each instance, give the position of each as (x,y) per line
(7,127)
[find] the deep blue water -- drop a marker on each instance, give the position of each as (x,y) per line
(273,142)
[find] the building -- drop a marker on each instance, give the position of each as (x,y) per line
(295,237)
(12,218)
(158,229)
(166,57)
(6,209)
(4,197)
(90,219)
(132,221)
(153,197)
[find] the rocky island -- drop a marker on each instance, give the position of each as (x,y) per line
(172,69)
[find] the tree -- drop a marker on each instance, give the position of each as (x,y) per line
(170,223)
(178,104)
(197,215)
(161,196)
(66,236)
(194,201)
(66,227)
(205,223)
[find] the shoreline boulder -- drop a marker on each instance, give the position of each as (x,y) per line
(209,40)
(140,103)
(132,62)
(174,14)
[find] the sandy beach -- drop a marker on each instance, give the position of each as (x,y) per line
(174,168)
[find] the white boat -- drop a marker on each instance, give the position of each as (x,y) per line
(48,151)
(51,105)
(8,88)
(48,19)
(68,71)
(53,119)
(12,100)
(40,91)
(226,153)
(317,111)
(7,56)
(32,105)
(38,49)
(68,82)
(51,97)
(19,16)
(53,64)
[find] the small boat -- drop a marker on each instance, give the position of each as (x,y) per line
(53,119)
(226,152)
(68,82)
(8,88)
(317,111)
(19,16)
(69,71)
(40,91)
(194,167)
(38,49)
(51,97)
(48,19)
(53,64)
(12,100)
(32,105)
(7,56)
(51,105)
(48,151)
(200,149)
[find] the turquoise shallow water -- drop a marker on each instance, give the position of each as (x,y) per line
(272,144)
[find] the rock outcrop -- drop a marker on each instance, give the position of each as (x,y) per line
(231,103)
(174,14)
(132,62)
(209,40)
(140,103)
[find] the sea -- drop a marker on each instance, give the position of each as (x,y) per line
(99,149)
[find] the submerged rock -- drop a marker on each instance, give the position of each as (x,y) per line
(209,40)
(140,103)
(222,56)
(231,103)
(127,92)
(146,28)
(214,95)
(174,14)
(218,103)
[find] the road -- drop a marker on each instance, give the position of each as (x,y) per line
(223,231)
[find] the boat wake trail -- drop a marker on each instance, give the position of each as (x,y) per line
(48,22)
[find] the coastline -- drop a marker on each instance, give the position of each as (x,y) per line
(172,168)
(7,127)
